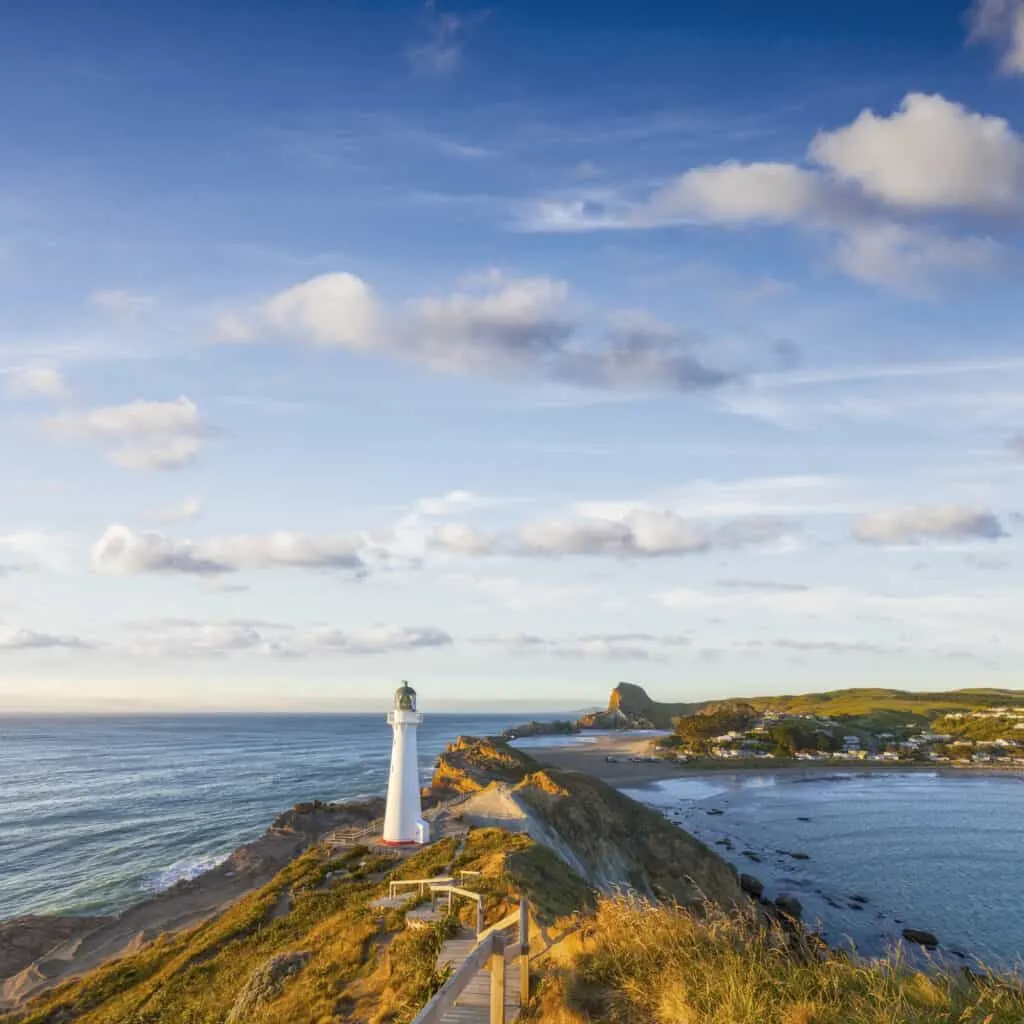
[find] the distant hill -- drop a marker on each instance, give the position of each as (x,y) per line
(871,701)
(629,706)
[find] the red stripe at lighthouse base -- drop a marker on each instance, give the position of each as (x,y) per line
(399,842)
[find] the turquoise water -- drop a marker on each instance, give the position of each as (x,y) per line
(96,813)
(939,851)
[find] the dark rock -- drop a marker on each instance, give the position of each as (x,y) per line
(922,938)
(752,886)
(803,819)
(855,906)
(790,906)
(752,856)
(796,855)
(715,810)
(857,898)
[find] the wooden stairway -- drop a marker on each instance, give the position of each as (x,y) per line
(473,1004)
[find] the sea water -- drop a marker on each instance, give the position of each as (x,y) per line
(97,813)
(941,851)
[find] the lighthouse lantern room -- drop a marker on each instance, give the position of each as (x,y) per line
(403,818)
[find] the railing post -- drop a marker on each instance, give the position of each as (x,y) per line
(524,951)
(497,968)
(479,916)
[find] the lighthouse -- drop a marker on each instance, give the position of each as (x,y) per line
(403,818)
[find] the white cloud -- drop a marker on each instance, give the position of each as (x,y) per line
(598,646)
(623,533)
(909,259)
(462,539)
(189,508)
(123,551)
(1002,23)
(28,640)
(917,525)
(140,435)
(285,549)
(332,311)
(158,454)
(498,326)
(376,639)
(1016,444)
(121,302)
(932,153)
(735,193)
(181,638)
(504,327)
(41,381)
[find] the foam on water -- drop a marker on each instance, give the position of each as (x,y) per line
(180,871)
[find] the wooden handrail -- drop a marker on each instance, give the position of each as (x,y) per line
(493,953)
(454,890)
(445,997)
(421,882)
(499,926)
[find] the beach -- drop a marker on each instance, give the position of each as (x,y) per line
(590,754)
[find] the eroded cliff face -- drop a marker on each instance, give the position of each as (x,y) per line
(612,841)
(629,707)
(470,764)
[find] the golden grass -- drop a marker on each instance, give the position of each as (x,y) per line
(644,964)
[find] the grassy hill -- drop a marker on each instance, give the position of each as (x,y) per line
(863,706)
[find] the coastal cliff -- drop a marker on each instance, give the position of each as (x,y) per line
(634,920)
(562,838)
(613,842)
(629,707)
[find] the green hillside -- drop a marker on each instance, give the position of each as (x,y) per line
(869,707)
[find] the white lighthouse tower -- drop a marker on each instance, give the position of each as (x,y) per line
(403,819)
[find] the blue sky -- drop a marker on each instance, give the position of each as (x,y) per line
(514,350)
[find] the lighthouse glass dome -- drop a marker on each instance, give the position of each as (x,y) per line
(405,698)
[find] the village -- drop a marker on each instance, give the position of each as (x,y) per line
(813,737)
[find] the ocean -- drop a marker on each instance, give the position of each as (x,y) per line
(97,813)
(941,851)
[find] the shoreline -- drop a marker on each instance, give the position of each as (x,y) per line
(825,901)
(590,757)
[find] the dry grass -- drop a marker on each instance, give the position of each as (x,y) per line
(643,964)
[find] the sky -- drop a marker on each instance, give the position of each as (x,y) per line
(514,350)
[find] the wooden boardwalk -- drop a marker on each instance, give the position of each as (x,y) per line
(473,1004)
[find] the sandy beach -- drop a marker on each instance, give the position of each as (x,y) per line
(591,756)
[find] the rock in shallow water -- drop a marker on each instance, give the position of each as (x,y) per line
(922,938)
(752,886)
(790,906)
